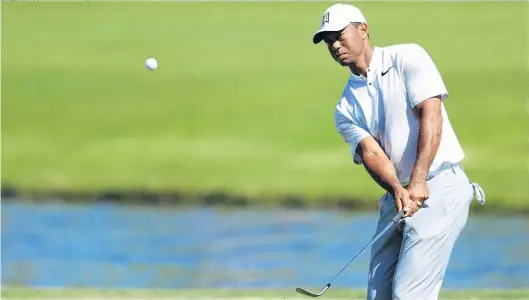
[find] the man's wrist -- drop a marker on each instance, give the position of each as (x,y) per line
(418,176)
(418,180)
(394,186)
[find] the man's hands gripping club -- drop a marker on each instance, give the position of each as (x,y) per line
(383,172)
(404,200)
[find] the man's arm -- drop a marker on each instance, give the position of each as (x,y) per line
(430,120)
(366,150)
(426,91)
(378,165)
(383,172)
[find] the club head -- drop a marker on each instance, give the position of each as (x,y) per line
(307,292)
(311,294)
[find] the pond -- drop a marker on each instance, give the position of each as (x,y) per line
(112,246)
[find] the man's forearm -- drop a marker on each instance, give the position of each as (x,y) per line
(427,145)
(382,171)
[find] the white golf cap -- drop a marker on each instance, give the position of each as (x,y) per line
(336,18)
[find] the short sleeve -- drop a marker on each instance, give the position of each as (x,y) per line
(352,132)
(422,78)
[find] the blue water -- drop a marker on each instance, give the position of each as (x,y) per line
(105,245)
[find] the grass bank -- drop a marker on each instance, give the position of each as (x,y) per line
(242,101)
(28,293)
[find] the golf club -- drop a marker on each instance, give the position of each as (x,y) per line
(393,222)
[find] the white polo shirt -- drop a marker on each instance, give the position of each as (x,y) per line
(398,78)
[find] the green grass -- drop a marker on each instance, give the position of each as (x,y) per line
(242,100)
(26,293)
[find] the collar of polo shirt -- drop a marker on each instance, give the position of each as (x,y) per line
(376,61)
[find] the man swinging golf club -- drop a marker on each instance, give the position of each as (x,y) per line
(391,114)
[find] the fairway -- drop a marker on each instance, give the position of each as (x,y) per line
(281,294)
(242,100)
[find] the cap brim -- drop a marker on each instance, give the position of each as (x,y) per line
(318,36)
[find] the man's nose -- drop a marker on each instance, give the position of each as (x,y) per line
(335,45)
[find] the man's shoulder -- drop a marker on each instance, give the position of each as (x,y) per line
(347,96)
(402,48)
(397,52)
(405,56)
(347,107)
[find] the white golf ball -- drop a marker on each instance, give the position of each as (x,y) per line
(151,63)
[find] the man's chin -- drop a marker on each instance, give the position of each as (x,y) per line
(343,63)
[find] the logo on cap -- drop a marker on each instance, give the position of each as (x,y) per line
(325,18)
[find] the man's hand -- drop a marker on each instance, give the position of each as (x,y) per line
(403,201)
(418,193)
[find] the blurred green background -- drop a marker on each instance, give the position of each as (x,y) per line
(242,100)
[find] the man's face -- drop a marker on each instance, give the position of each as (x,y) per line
(347,45)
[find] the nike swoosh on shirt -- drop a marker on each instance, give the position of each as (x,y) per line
(384,73)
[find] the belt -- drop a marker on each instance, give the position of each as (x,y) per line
(443,168)
(437,171)
(477,189)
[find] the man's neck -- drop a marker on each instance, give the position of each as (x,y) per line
(360,68)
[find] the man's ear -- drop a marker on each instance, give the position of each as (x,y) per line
(365,32)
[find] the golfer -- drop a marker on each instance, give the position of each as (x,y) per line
(391,114)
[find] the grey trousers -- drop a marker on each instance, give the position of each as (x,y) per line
(410,262)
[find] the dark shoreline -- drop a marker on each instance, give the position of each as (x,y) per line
(221,199)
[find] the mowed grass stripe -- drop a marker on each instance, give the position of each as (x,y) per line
(242,100)
(28,293)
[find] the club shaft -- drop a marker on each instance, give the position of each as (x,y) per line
(393,222)
(384,230)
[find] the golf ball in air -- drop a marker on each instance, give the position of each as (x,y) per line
(151,63)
